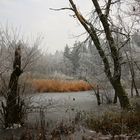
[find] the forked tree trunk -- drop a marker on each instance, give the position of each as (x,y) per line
(120,92)
(115,76)
(13,105)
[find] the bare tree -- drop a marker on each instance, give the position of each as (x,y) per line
(13,108)
(113,74)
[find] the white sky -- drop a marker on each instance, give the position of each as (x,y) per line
(34,17)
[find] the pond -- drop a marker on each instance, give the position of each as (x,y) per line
(57,108)
(62,106)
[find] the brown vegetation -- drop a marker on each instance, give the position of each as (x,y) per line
(116,123)
(42,85)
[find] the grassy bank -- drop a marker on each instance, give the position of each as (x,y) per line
(116,123)
(43,85)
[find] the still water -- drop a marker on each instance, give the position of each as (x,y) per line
(59,106)
(62,106)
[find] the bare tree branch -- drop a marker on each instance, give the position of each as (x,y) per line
(108,8)
(66,8)
(92,32)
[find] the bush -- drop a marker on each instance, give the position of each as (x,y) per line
(115,123)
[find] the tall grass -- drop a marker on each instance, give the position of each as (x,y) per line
(116,123)
(43,85)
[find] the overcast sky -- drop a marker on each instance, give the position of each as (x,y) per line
(34,17)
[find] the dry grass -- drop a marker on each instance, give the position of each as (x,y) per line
(115,123)
(42,85)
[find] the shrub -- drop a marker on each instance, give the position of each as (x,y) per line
(124,122)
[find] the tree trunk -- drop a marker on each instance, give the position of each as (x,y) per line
(115,98)
(13,108)
(133,84)
(132,72)
(137,92)
(114,77)
(123,98)
(132,87)
(97,93)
